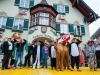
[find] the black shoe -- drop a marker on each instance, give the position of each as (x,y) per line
(2,69)
(24,65)
(46,67)
(7,68)
(42,67)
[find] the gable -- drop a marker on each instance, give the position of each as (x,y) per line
(88,13)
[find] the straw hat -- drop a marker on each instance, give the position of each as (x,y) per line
(9,37)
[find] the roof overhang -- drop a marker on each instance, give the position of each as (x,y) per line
(96,34)
(89,14)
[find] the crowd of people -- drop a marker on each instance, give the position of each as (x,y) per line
(12,49)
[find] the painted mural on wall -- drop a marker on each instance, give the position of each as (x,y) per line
(1,34)
(61,17)
(15,35)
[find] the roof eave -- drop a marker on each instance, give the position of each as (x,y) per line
(95,34)
(91,10)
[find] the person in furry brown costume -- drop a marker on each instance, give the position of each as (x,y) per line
(62,56)
(66,56)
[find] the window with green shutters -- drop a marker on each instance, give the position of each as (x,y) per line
(61,9)
(18,24)
(26,23)
(82,29)
(9,23)
(76,30)
(24,3)
(71,28)
(58,27)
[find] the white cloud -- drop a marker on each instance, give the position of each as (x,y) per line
(95,5)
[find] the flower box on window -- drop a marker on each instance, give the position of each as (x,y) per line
(23,11)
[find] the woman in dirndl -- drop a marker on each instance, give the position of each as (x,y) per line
(90,53)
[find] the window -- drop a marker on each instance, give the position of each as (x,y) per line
(3,21)
(61,8)
(24,3)
(18,24)
(35,19)
(52,21)
(63,28)
(77,30)
(44,19)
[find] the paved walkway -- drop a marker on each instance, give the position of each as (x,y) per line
(29,71)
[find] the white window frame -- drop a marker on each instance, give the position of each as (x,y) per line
(60,9)
(35,17)
(76,32)
(2,21)
(62,30)
(18,23)
(24,4)
(45,18)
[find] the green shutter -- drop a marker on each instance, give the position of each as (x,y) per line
(31,3)
(67,9)
(95,17)
(17,2)
(71,28)
(58,27)
(55,6)
(82,30)
(9,23)
(26,23)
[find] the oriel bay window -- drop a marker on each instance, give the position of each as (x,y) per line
(42,18)
(3,21)
(18,24)
(43,14)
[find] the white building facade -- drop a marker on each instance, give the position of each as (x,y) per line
(45,19)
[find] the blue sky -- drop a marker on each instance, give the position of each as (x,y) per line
(95,5)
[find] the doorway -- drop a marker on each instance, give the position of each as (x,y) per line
(42,39)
